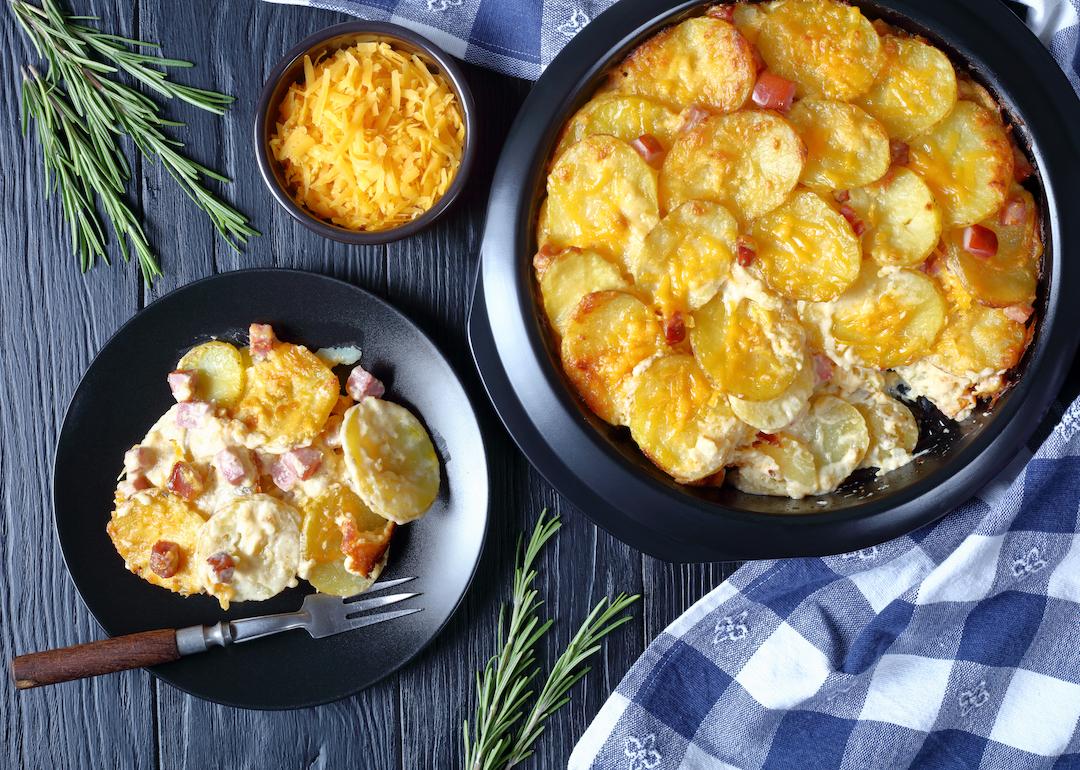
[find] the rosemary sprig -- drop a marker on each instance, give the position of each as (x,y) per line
(499,737)
(80,111)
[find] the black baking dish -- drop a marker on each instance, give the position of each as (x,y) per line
(599,468)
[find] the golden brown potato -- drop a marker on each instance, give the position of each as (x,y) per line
(151,516)
(685,259)
(610,333)
(702,61)
(845,147)
(889,317)
(967,161)
(219,369)
(1010,276)
(915,88)
(326,517)
(568,276)
(748,161)
(827,47)
(680,421)
(391,462)
(903,221)
(624,116)
(776,413)
(287,397)
(601,196)
(836,435)
(782,466)
(748,349)
(806,250)
(979,339)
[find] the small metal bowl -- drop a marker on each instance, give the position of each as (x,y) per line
(290,69)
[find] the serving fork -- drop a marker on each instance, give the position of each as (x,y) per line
(320,615)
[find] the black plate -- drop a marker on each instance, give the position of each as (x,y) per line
(124,392)
(601,470)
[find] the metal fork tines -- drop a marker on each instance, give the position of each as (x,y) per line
(324,615)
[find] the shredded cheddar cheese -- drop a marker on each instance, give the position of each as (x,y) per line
(370,139)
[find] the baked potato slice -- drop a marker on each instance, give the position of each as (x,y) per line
(782,466)
(624,116)
(326,517)
(915,88)
(748,161)
(903,221)
(836,435)
(684,260)
(568,276)
(977,338)
(288,395)
(828,48)
(390,460)
(889,317)
(680,421)
(1010,276)
(261,536)
(748,349)
(806,249)
(702,61)
(845,147)
(610,333)
(776,413)
(601,195)
(155,515)
(219,372)
(893,432)
(967,161)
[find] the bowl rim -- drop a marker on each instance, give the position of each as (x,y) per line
(267,164)
(543,418)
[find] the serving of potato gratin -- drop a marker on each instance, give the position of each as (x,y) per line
(770,222)
(264,471)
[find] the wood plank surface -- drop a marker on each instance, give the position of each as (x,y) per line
(53,320)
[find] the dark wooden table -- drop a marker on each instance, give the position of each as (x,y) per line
(53,320)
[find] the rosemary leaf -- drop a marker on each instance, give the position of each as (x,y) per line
(502,734)
(81,111)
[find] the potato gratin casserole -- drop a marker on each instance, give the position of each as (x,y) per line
(771,221)
(263,471)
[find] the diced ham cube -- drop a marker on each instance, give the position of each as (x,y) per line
(980,241)
(1018,313)
(185,481)
(362,383)
(650,149)
(772,92)
(138,458)
(139,482)
(745,250)
(841,196)
(192,413)
(182,384)
(899,152)
(768,438)
(1013,213)
(165,558)
(726,11)
(222,565)
(693,116)
(232,466)
(283,475)
(857,225)
(823,367)
(261,340)
(303,462)
(674,328)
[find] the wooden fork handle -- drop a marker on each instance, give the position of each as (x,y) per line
(148,648)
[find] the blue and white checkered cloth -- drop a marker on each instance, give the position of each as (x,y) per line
(957,646)
(521,37)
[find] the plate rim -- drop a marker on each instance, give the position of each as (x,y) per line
(155,671)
